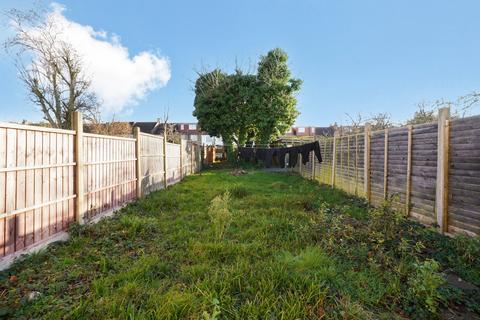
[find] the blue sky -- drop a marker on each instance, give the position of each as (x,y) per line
(353,56)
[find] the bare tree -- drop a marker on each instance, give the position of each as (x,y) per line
(111,128)
(50,68)
(425,113)
(467,103)
(378,122)
(356,124)
(169,128)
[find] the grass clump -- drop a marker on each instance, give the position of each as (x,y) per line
(220,214)
(239,192)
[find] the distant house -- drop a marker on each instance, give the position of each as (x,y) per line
(325,131)
(311,131)
(188,130)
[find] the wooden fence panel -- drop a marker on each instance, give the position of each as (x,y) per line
(403,167)
(307,168)
(397,167)
(151,162)
(464,176)
(340,180)
(187,154)
(173,163)
(196,157)
(348,163)
(110,173)
(324,169)
(360,165)
(377,159)
(35,178)
(424,172)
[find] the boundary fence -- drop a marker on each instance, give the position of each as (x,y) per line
(50,178)
(429,171)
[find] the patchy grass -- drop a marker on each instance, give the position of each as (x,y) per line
(288,249)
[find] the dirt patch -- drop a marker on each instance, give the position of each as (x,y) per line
(238,172)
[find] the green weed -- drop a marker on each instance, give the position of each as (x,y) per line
(423,288)
(220,214)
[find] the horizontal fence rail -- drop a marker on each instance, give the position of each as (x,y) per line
(50,177)
(429,171)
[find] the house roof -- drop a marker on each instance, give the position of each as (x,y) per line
(146,127)
(324,131)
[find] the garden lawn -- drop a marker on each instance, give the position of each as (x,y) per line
(290,249)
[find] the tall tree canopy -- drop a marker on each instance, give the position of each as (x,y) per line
(241,107)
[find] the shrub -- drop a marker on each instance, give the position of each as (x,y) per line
(423,293)
(312,205)
(220,214)
(468,248)
(385,224)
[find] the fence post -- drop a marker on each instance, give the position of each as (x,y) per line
(191,157)
(202,156)
(79,190)
(366,162)
(300,164)
(356,164)
(340,169)
(324,171)
(199,157)
(138,162)
(334,156)
(385,166)
(347,173)
(441,199)
(165,182)
(181,158)
(313,162)
(409,172)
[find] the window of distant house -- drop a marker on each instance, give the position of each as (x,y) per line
(192,126)
(301,130)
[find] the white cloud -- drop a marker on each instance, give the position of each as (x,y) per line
(118,79)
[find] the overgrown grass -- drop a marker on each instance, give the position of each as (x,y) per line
(280,247)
